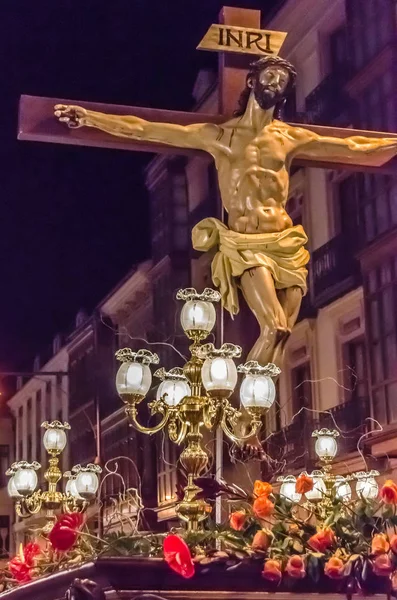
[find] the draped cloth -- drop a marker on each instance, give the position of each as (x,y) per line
(281,252)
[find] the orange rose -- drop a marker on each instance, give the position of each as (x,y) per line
(393,543)
(296,567)
(334,568)
(272,571)
(237,520)
(322,540)
(261,540)
(263,507)
(382,565)
(380,544)
(388,492)
(304,484)
(262,488)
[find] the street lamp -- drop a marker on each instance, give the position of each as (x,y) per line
(80,489)
(197,395)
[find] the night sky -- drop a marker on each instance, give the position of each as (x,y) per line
(75,220)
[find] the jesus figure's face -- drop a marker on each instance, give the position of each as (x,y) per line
(269,86)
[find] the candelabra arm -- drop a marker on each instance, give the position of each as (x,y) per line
(177,429)
(31,505)
(212,414)
(71,505)
(132,413)
(231,416)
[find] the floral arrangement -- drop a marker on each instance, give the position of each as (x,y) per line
(351,548)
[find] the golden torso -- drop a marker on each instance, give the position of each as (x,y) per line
(254,178)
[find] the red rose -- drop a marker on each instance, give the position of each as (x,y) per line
(263,507)
(21,565)
(262,488)
(382,565)
(296,567)
(334,568)
(380,544)
(65,531)
(237,520)
(322,540)
(304,484)
(272,571)
(388,492)
(177,555)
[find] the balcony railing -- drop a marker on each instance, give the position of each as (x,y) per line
(294,444)
(335,271)
(328,103)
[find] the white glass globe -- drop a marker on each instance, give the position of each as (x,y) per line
(287,489)
(87,484)
(319,489)
(326,446)
(257,391)
(198,314)
(72,489)
(133,378)
(12,490)
(173,391)
(25,481)
(54,440)
(343,490)
(367,487)
(219,374)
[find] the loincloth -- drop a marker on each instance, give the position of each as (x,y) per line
(282,253)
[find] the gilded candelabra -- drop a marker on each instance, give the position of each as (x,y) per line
(197,395)
(326,485)
(80,488)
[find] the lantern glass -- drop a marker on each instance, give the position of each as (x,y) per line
(326,447)
(87,483)
(367,487)
(133,378)
(54,440)
(343,490)
(198,315)
(319,489)
(219,373)
(25,481)
(257,391)
(173,391)
(71,489)
(287,489)
(12,490)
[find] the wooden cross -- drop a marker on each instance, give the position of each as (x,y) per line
(37,123)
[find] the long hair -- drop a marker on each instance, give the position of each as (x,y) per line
(255,68)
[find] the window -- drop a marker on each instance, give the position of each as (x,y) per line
(39,431)
(381,302)
(355,369)
(4,464)
(371,25)
(338,50)
(376,104)
(301,390)
(4,536)
(167,474)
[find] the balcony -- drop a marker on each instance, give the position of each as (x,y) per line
(335,271)
(294,445)
(328,103)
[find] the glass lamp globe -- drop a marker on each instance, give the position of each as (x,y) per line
(173,391)
(87,484)
(133,378)
(71,489)
(287,489)
(198,315)
(219,374)
(343,490)
(25,481)
(54,440)
(257,391)
(326,446)
(367,486)
(12,490)
(319,489)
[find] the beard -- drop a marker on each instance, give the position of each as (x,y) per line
(265,96)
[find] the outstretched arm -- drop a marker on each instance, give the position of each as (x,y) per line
(200,136)
(355,149)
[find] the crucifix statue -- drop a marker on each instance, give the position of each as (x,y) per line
(260,251)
